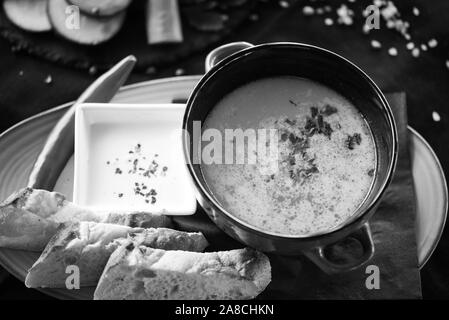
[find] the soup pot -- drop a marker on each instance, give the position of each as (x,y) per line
(233,65)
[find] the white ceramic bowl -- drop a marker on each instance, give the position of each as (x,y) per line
(128,157)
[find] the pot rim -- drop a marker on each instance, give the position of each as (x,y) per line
(359,219)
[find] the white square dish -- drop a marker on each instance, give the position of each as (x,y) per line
(128,157)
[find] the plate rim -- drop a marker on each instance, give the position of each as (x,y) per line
(122,89)
(197,78)
(445,191)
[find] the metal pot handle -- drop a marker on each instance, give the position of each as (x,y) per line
(363,235)
(221,52)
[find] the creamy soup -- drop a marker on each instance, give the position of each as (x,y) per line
(323,165)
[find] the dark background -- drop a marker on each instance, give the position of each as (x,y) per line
(425,80)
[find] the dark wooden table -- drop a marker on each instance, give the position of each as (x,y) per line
(425,80)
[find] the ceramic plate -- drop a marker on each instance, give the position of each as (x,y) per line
(21,144)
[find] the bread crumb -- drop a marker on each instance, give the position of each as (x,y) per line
(328,21)
(345,15)
(308,11)
(150,70)
(393,51)
(93,70)
(179,72)
(432,43)
(48,80)
(376,44)
(436,116)
(366,29)
(284,4)
(254,17)
(389,11)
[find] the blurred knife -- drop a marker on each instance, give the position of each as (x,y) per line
(60,143)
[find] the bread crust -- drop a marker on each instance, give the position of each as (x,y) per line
(138,272)
(88,246)
(30,217)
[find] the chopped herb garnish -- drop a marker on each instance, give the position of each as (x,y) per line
(293,138)
(328,110)
(351,141)
(317,124)
(284,136)
(138,166)
(290,122)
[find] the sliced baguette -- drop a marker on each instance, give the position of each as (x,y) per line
(30,217)
(101,7)
(91,30)
(24,230)
(29,15)
(142,273)
(88,246)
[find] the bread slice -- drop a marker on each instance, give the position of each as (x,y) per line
(30,217)
(101,7)
(24,230)
(88,246)
(30,15)
(139,272)
(91,30)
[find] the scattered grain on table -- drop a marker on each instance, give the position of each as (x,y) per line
(48,79)
(284,4)
(393,51)
(179,72)
(436,116)
(376,44)
(328,22)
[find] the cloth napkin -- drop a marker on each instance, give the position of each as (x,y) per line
(393,229)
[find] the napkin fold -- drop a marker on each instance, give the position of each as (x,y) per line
(394,272)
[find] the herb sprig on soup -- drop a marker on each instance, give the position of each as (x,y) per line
(325,159)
